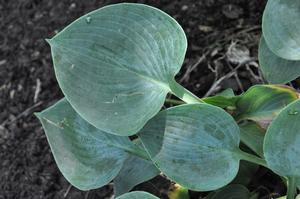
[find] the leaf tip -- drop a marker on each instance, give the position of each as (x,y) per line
(37,114)
(49,41)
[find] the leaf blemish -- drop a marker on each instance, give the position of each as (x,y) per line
(53,123)
(88,19)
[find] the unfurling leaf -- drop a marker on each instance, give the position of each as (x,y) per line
(262,103)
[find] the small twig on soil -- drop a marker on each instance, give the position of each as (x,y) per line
(86,196)
(186,75)
(37,90)
(23,114)
(67,191)
(216,84)
(236,76)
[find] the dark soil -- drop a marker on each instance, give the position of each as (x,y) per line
(222,35)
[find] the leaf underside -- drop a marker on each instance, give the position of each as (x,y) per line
(262,103)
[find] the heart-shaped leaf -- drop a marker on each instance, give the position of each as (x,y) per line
(280,24)
(282,142)
(116,64)
(275,69)
(263,102)
(196,145)
(137,195)
(87,157)
(134,171)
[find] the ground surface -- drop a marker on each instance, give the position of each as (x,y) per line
(222,35)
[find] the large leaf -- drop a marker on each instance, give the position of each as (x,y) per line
(195,145)
(115,64)
(87,157)
(263,102)
(280,25)
(252,135)
(282,142)
(275,69)
(134,171)
(234,191)
(137,195)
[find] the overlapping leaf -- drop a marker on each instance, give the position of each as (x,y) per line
(275,69)
(134,171)
(280,26)
(195,145)
(115,65)
(87,157)
(282,142)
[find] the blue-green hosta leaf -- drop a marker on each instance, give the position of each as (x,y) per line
(252,135)
(195,145)
(115,64)
(282,142)
(137,195)
(87,157)
(280,26)
(262,103)
(275,69)
(234,191)
(134,171)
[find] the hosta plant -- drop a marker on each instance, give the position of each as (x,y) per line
(116,66)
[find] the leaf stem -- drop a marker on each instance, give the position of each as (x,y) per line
(173,101)
(184,94)
(291,188)
(252,158)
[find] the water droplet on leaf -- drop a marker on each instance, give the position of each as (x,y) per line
(88,19)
